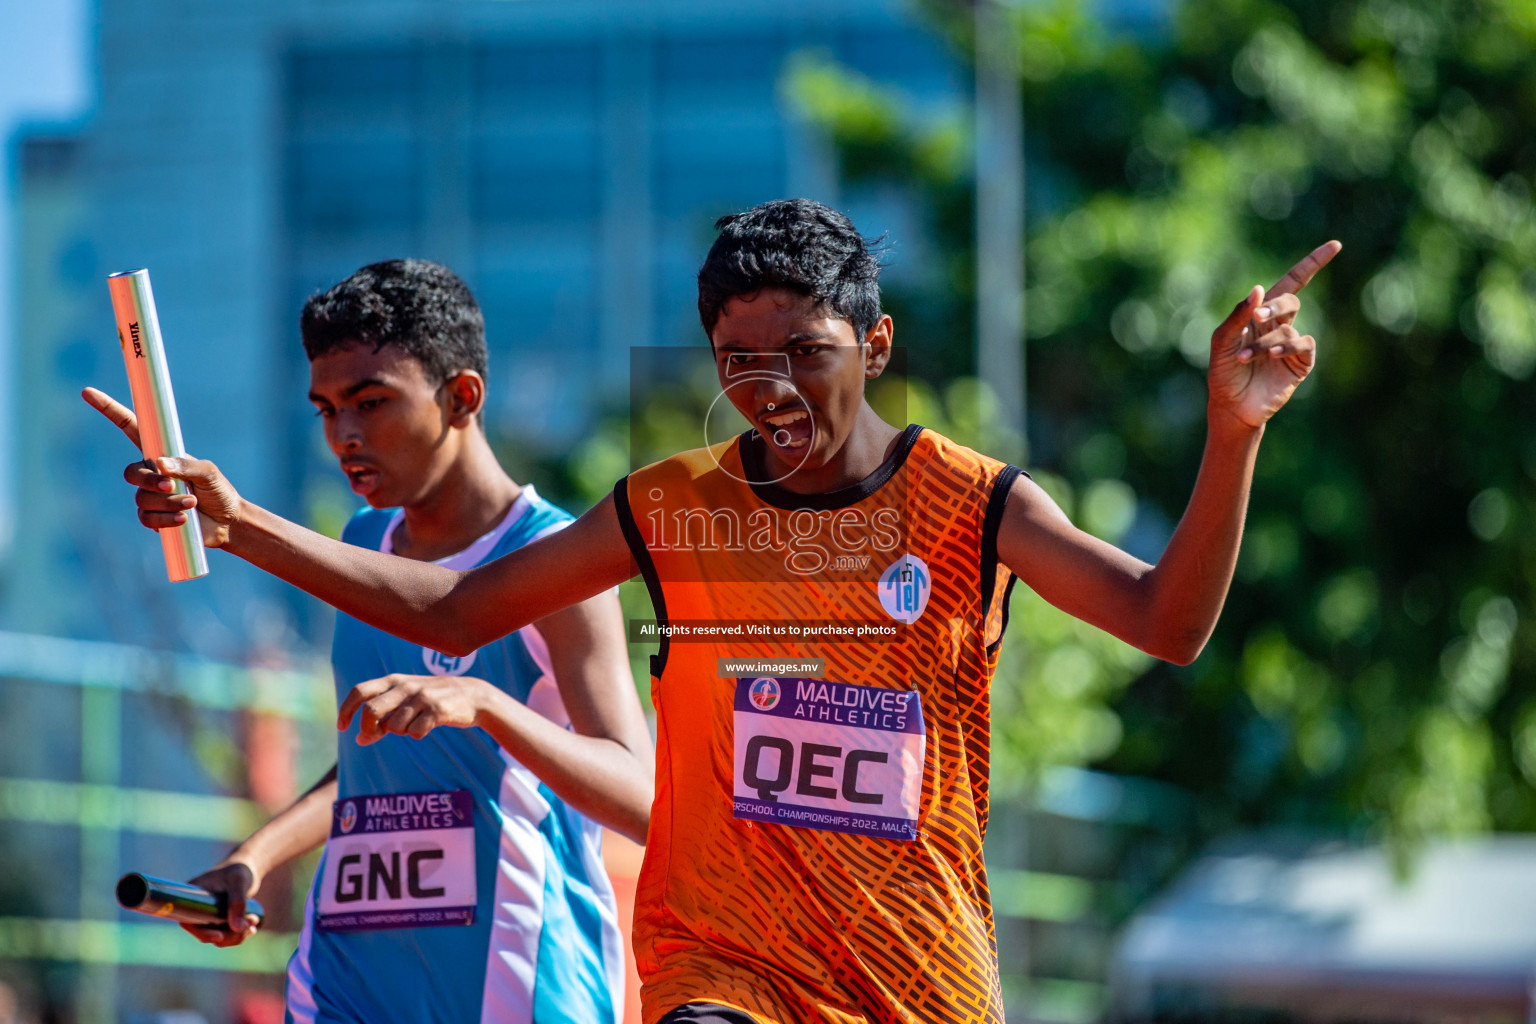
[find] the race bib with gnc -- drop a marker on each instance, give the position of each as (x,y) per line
(831,756)
(399,860)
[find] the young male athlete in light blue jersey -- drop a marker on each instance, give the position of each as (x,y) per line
(462,878)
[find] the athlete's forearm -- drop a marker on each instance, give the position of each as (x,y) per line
(1188,586)
(440,609)
(600,777)
(300,827)
(416,601)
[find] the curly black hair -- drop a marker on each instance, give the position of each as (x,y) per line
(420,306)
(797,244)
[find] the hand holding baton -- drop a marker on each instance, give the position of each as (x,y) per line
(149,379)
(179,901)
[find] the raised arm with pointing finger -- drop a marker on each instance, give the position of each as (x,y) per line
(1169,610)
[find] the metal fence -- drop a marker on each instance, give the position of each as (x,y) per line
(72,816)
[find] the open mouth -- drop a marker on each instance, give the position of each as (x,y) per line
(789,430)
(362,478)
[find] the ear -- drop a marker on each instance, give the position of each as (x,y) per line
(877,347)
(465,395)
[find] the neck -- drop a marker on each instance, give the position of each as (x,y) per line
(473,496)
(868,444)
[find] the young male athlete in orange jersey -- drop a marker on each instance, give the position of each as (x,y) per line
(815,845)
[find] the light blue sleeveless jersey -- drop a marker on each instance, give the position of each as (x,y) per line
(543,944)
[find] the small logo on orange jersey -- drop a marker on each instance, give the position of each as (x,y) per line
(904,588)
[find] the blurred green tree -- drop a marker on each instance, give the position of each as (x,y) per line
(1366,673)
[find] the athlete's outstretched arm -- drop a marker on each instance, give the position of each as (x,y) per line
(448,611)
(1170,610)
(602,766)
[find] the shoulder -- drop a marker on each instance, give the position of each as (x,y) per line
(540,517)
(366,527)
(936,454)
(694,464)
(977,486)
(689,469)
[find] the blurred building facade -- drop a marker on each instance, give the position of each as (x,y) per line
(567,158)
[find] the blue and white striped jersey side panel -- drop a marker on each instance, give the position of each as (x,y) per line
(577,946)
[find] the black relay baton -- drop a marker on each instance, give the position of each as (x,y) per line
(189,904)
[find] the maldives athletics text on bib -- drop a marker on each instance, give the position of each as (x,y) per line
(399,860)
(833,756)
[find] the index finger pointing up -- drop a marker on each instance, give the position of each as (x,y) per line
(121,416)
(1297,277)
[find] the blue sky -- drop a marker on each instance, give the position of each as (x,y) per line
(45,51)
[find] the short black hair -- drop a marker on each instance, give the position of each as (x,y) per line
(797,244)
(420,306)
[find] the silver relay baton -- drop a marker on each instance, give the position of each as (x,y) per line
(149,380)
(179,901)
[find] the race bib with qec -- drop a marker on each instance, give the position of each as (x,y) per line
(831,756)
(399,860)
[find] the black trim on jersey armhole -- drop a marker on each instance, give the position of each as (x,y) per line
(642,556)
(1002,627)
(990,524)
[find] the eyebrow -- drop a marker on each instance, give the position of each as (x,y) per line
(349,391)
(798,338)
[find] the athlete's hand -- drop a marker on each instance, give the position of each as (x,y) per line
(412,705)
(214,497)
(239,880)
(1257,356)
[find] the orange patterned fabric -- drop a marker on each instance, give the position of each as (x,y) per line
(788,923)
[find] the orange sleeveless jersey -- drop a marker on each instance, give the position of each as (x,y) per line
(815,850)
